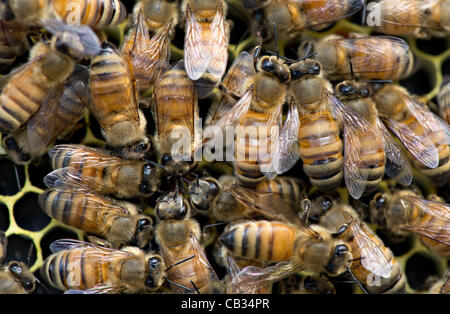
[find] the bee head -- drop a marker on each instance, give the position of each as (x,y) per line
(274,66)
(23,275)
(155,276)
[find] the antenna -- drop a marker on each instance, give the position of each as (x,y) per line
(357,281)
(275,35)
(178,285)
(17,177)
(180,262)
(351,70)
(195,287)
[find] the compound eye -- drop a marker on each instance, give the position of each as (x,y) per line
(142,224)
(380,201)
(340,249)
(317,68)
(166,159)
(28,285)
(153,263)
(268,65)
(141,147)
(327,203)
(345,89)
(364,92)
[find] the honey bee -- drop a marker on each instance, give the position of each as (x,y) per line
(81,267)
(100,171)
(97,14)
(206,43)
(117,222)
(294,247)
(372,57)
(175,110)
(374,267)
(441,286)
(423,134)
(42,78)
(53,120)
(15,278)
(13,42)
(147,44)
(298,284)
(115,104)
(404,212)
(376,157)
(291,17)
(178,236)
(420,19)
(320,116)
(444,101)
(226,200)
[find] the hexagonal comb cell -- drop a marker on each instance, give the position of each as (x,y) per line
(22,249)
(53,235)
(399,245)
(12,178)
(29,215)
(38,171)
(428,267)
(433,46)
(4,217)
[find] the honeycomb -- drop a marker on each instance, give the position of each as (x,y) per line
(30,231)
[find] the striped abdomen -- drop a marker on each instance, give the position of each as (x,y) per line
(20,99)
(269,241)
(97,14)
(321,150)
(79,269)
(253,148)
(396,283)
(375,58)
(12,42)
(291,188)
(84,211)
(444,102)
(176,105)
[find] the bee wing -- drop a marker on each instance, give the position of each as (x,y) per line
(429,121)
(277,206)
(251,278)
(420,147)
(367,50)
(404,9)
(322,12)
(80,38)
(244,65)
(63,102)
(439,227)
(355,127)
(397,165)
(232,116)
(95,251)
(202,54)
(99,289)
(372,257)
(289,152)
(70,178)
(148,55)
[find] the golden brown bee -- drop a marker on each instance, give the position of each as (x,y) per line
(291,17)
(404,212)
(53,120)
(321,115)
(298,284)
(13,42)
(226,200)
(175,113)
(205,43)
(441,286)
(178,236)
(115,104)
(100,171)
(81,267)
(15,277)
(444,101)
(117,222)
(42,78)
(372,57)
(423,134)
(294,247)
(97,14)
(416,18)
(376,157)
(147,43)
(374,266)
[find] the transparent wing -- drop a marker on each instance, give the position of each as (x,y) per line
(324,11)
(420,147)
(437,228)
(218,40)
(99,289)
(93,250)
(252,278)
(370,50)
(196,57)
(355,128)
(372,256)
(277,206)
(289,152)
(397,165)
(241,70)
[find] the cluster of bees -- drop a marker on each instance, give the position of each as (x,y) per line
(337,107)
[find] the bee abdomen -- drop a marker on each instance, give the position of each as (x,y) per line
(321,150)
(441,173)
(261,241)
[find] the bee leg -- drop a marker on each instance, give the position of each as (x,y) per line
(99,241)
